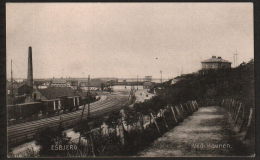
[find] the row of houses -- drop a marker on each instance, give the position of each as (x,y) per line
(93,85)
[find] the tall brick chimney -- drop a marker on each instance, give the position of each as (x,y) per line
(30,68)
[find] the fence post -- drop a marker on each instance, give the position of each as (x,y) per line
(238,112)
(197,105)
(193,105)
(235,110)
(174,115)
(189,108)
(250,117)
(121,133)
(249,122)
(181,116)
(182,109)
(229,106)
(155,122)
(179,112)
(222,102)
(141,119)
(92,145)
(164,119)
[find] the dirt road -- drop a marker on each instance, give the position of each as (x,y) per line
(207,132)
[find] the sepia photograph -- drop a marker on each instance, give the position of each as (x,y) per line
(111,80)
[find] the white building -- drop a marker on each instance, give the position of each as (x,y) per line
(60,83)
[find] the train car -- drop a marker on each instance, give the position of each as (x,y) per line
(27,110)
(51,106)
(44,107)
(74,103)
(30,109)
(77,102)
(11,112)
(80,101)
(64,103)
(70,103)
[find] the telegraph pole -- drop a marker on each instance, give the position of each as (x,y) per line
(235,58)
(137,82)
(161,75)
(12,86)
(82,113)
(88,95)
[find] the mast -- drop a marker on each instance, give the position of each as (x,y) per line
(88,96)
(137,82)
(12,85)
(161,75)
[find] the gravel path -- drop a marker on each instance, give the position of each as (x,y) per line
(205,133)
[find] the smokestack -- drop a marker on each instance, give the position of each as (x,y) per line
(30,68)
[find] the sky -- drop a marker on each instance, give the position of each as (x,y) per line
(125,39)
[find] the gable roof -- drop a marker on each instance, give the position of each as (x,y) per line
(215,59)
(55,92)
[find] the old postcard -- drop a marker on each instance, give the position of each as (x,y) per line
(130,80)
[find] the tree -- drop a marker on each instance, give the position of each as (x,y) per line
(131,116)
(113,119)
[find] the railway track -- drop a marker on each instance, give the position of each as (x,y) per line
(27,131)
(92,106)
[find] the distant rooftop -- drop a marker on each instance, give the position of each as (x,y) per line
(59,81)
(215,59)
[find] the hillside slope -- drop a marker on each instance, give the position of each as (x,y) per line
(237,83)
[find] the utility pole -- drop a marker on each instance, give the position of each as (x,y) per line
(61,120)
(161,75)
(235,58)
(137,82)
(12,86)
(88,95)
(82,113)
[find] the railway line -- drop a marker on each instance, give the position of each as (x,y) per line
(20,133)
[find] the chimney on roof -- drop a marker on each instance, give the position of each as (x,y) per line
(213,56)
(30,68)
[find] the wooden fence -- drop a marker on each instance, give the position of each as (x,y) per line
(125,138)
(242,116)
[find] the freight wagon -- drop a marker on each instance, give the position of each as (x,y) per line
(71,103)
(51,106)
(24,110)
(44,107)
